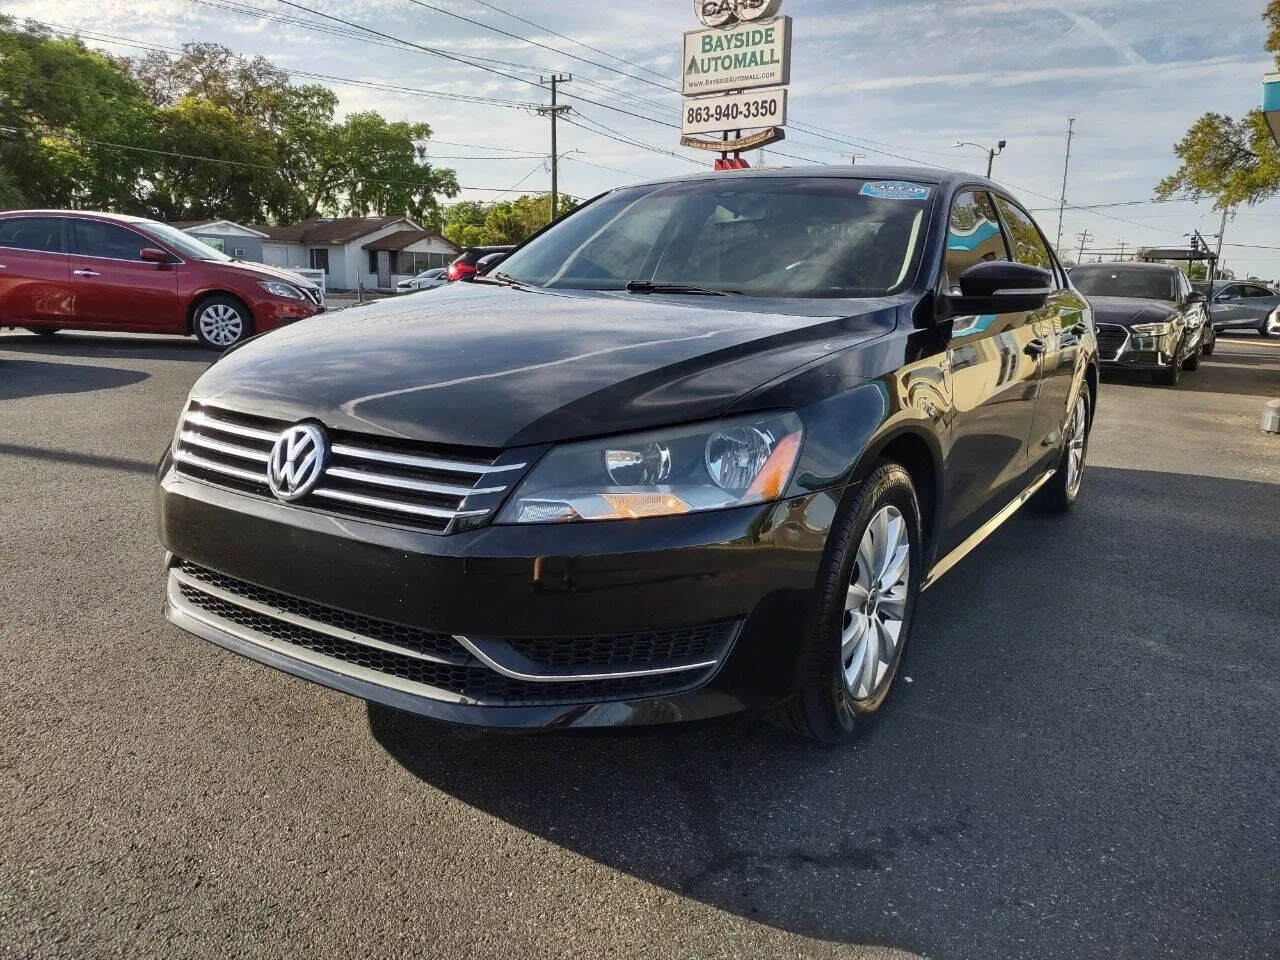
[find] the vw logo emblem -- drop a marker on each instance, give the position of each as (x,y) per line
(297,461)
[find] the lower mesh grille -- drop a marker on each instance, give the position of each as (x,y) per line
(452,669)
(631,651)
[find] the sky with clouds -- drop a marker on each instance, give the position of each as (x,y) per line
(897,78)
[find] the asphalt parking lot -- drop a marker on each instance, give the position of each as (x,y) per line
(1086,762)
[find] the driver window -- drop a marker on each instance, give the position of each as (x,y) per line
(973,236)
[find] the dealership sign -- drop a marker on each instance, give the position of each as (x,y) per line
(739,57)
(734,111)
(717,13)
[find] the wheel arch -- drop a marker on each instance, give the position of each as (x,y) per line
(917,450)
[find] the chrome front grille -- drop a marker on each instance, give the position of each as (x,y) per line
(1112,340)
(423,486)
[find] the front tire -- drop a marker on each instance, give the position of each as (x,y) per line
(1193,362)
(1170,376)
(856,639)
(45,333)
(221,322)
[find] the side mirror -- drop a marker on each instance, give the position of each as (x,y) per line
(485,264)
(1227,295)
(999,286)
(1195,296)
(153,255)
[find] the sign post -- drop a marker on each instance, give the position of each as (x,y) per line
(735,76)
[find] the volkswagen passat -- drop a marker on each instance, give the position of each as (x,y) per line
(697,448)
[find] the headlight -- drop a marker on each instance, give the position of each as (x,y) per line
(1152,329)
(680,470)
(278,288)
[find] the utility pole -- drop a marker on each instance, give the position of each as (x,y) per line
(1213,264)
(1062,204)
(1084,236)
(553,111)
(1122,245)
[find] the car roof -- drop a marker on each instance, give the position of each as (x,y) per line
(78,215)
(1125,265)
(921,174)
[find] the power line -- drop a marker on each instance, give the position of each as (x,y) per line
(539,26)
(433,51)
(348,81)
(516,36)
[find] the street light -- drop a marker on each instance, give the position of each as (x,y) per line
(992,152)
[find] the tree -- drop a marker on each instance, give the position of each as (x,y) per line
(383,170)
(1232,161)
(471,224)
(74,120)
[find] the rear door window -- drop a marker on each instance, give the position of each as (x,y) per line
(1028,245)
(42,234)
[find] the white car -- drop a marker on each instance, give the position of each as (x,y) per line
(426,280)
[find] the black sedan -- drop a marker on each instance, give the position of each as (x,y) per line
(1149,318)
(695,449)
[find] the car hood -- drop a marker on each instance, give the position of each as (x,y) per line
(1127,311)
(265,272)
(497,367)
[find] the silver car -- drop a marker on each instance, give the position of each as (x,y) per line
(1243,305)
(426,280)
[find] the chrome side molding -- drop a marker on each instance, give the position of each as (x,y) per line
(959,553)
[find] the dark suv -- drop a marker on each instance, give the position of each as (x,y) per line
(697,448)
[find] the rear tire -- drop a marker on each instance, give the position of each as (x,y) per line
(48,333)
(1062,490)
(221,322)
(1265,330)
(850,655)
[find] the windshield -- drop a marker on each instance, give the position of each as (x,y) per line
(1115,280)
(764,237)
(184,244)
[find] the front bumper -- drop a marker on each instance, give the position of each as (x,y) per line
(269,314)
(1122,349)
(505,626)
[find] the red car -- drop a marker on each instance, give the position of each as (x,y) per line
(65,269)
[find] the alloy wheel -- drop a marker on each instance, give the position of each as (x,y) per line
(221,324)
(876,604)
(1076,437)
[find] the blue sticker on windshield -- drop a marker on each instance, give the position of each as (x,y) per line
(895,190)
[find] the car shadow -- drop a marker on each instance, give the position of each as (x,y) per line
(1220,373)
(1082,724)
(122,347)
(30,378)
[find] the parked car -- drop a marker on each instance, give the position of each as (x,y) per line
(1149,318)
(1241,305)
(64,269)
(465,265)
(695,449)
(426,280)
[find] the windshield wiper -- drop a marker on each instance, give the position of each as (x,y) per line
(648,286)
(500,279)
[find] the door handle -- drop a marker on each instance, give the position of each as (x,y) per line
(86,273)
(1035,348)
